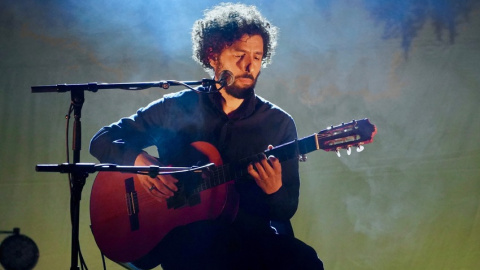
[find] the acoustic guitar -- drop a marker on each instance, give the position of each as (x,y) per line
(127,222)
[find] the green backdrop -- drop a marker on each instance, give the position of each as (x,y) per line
(410,200)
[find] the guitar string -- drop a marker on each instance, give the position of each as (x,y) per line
(219,173)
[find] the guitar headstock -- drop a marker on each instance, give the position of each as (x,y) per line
(347,135)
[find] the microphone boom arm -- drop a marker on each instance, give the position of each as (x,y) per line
(226,78)
(94,87)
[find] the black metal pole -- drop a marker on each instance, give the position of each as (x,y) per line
(78,178)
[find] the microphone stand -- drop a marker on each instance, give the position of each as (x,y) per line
(78,177)
(80,173)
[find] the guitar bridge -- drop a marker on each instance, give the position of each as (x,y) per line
(132,204)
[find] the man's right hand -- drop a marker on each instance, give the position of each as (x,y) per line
(161,187)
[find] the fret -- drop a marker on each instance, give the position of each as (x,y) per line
(219,175)
(308,144)
(221,178)
(227,176)
(206,184)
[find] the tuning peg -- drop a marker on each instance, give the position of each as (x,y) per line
(360,148)
(338,153)
(349,150)
(302,158)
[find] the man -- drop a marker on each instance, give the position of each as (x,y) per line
(238,124)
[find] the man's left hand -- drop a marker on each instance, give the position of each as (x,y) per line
(267,174)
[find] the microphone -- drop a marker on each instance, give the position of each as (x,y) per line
(226,78)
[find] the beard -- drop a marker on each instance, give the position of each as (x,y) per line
(241,92)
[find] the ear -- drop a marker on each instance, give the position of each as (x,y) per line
(212,57)
(213,60)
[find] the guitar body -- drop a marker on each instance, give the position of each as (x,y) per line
(127,222)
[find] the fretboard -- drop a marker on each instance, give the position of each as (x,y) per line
(228,172)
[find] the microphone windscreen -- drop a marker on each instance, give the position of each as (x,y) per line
(227,77)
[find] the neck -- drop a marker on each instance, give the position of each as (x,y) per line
(230,103)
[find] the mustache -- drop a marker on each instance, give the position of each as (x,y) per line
(246,75)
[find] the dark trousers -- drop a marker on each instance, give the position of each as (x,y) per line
(216,246)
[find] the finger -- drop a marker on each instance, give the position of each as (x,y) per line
(152,190)
(148,186)
(164,190)
(253,172)
(159,197)
(260,169)
(157,194)
(169,182)
(268,167)
(157,188)
(277,167)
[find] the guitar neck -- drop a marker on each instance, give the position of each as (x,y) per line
(355,133)
(294,148)
(224,173)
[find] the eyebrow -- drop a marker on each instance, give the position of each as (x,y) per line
(245,51)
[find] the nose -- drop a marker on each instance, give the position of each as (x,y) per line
(246,63)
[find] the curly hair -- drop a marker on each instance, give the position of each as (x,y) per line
(227,23)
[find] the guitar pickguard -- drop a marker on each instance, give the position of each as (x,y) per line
(187,194)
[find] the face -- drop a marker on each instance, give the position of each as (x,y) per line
(244,59)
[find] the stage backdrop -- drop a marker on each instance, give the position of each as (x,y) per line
(410,200)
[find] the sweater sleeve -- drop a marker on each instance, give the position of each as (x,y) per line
(121,142)
(284,203)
